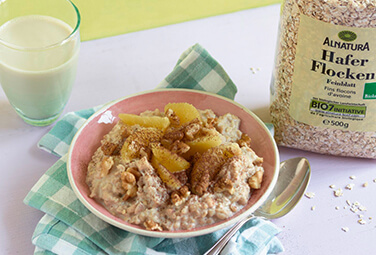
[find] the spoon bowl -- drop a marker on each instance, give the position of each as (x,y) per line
(293,178)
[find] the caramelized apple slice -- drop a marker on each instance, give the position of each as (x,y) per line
(172,161)
(166,176)
(184,111)
(203,143)
(145,121)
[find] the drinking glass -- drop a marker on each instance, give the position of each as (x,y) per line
(39,46)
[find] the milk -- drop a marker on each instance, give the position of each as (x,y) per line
(38,80)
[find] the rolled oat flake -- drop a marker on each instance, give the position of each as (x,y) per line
(323,91)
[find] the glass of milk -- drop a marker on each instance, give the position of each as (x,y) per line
(39,45)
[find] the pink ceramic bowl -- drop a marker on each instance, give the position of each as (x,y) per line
(88,138)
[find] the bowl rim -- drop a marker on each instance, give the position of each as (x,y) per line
(172,234)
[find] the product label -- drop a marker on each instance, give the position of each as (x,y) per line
(334,80)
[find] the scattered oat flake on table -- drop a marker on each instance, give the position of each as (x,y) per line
(374,180)
(310,195)
(350,186)
(313,208)
(332,186)
(338,192)
(362,222)
(345,229)
(362,208)
(354,209)
(337,207)
(348,202)
(352,177)
(365,184)
(254,69)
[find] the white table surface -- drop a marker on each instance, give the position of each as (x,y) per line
(114,67)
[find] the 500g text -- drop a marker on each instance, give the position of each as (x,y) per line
(336,123)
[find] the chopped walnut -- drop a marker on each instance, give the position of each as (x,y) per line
(174,119)
(184,191)
(108,148)
(128,178)
(258,161)
(178,197)
(224,185)
(134,171)
(256,179)
(166,142)
(106,165)
(192,129)
(146,152)
(173,134)
(211,122)
(125,131)
(153,226)
(244,140)
(129,184)
(111,147)
(179,147)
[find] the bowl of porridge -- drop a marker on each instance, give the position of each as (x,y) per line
(173,163)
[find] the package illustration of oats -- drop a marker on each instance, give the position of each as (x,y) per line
(323,90)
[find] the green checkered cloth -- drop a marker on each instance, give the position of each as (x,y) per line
(69,228)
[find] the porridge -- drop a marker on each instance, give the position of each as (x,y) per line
(176,169)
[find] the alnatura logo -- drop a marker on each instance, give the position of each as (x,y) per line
(347,36)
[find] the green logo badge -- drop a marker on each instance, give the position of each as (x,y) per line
(369,91)
(347,36)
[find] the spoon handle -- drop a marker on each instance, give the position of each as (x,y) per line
(221,243)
